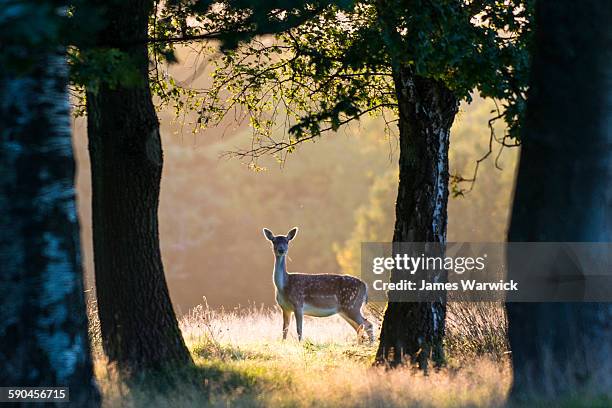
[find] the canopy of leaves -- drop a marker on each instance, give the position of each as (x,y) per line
(27,26)
(338,65)
(228,23)
(237,21)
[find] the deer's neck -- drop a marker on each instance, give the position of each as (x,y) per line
(280,272)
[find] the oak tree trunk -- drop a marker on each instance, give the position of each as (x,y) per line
(43,322)
(564,193)
(427,109)
(138,324)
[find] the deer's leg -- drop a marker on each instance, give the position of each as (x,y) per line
(359,323)
(350,321)
(286,318)
(299,317)
(369,328)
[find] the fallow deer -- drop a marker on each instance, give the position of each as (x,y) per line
(317,295)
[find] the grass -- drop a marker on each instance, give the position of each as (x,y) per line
(241,361)
(475,330)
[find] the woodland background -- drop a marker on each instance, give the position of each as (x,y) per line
(340,190)
(410,62)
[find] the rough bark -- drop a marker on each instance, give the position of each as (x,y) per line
(564,193)
(426,112)
(43,322)
(138,324)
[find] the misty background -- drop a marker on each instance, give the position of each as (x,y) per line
(339,190)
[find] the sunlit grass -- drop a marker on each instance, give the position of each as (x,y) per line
(242,361)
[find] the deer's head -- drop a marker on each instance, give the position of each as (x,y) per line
(280,243)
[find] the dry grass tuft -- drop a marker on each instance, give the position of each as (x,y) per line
(475,329)
(241,361)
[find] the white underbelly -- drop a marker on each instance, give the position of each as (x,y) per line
(312,310)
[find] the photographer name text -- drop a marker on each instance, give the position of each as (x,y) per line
(464,285)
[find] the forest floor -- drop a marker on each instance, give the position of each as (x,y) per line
(242,361)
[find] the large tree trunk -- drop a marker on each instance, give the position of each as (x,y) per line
(564,193)
(43,323)
(426,112)
(138,324)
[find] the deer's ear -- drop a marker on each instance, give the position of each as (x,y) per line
(268,234)
(291,234)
